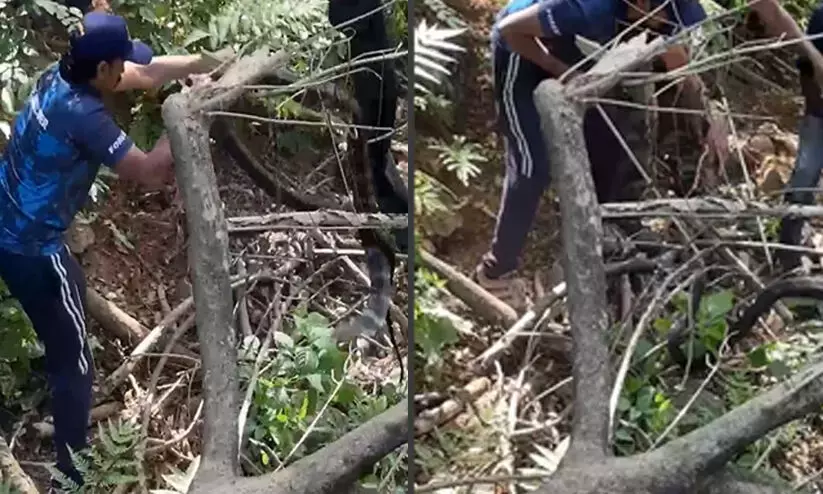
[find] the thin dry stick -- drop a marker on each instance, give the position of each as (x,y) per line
(147,405)
(305,123)
(669,109)
(164,445)
(242,307)
(749,185)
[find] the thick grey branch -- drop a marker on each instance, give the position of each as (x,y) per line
(583,266)
(708,448)
(334,468)
(188,130)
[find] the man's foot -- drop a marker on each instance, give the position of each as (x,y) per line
(508,288)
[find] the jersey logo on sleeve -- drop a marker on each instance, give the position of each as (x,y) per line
(38,111)
(117,142)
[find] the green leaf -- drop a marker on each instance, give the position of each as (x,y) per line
(623,435)
(662,325)
(283,340)
(643,347)
(759,357)
(644,399)
(316,382)
(779,369)
(624,404)
(717,304)
(195,36)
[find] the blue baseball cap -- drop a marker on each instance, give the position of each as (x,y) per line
(104,37)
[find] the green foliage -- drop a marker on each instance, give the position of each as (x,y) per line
(428,194)
(165,25)
(710,322)
(645,407)
(6,488)
(434,329)
(645,410)
(430,58)
(461,158)
(178,480)
(18,346)
(301,376)
(398,22)
(108,463)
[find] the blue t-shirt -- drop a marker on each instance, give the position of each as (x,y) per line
(597,20)
(59,140)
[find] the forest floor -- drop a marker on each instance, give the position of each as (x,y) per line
(517,424)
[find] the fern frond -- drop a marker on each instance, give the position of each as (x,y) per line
(430,53)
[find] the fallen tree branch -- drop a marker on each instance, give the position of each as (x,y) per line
(148,344)
(426,421)
(685,464)
(45,429)
(316,219)
(583,267)
(159,332)
(335,467)
(705,207)
(112,319)
(475,296)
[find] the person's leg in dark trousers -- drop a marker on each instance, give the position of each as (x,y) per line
(52,292)
(527,163)
(805,176)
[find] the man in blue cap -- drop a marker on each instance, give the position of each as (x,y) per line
(59,140)
(533,40)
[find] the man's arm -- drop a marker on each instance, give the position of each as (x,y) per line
(101,140)
(152,170)
(550,19)
(778,22)
(161,70)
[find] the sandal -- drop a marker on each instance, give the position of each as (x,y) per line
(514,291)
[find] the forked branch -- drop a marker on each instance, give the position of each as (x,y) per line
(695,462)
(332,469)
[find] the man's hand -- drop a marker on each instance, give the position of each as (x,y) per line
(212,60)
(100,6)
